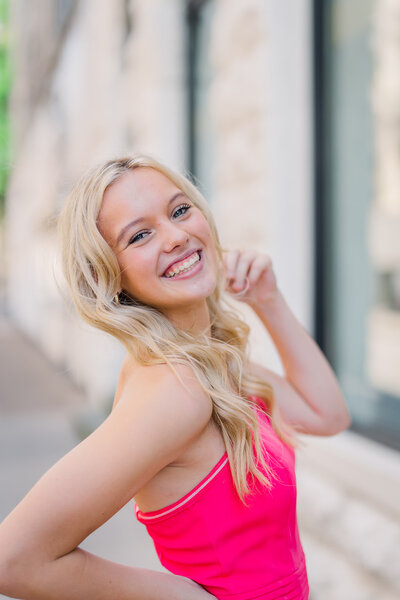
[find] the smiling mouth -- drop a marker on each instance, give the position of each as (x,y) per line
(187,265)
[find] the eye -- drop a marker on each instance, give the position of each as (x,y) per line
(178,212)
(137,237)
(182,207)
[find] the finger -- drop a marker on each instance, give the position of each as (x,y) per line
(242,292)
(260,264)
(230,262)
(242,269)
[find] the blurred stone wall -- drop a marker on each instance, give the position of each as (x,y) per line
(384,239)
(107,80)
(349,491)
(239,57)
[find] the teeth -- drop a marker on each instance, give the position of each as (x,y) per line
(184,266)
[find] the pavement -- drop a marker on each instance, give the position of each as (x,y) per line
(39,407)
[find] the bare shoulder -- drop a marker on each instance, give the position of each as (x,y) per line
(262,372)
(163,387)
(127,368)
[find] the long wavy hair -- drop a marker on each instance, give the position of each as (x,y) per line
(220,361)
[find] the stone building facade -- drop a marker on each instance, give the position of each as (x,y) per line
(100,78)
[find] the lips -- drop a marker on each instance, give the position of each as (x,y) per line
(180,259)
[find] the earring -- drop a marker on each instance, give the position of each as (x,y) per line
(116,298)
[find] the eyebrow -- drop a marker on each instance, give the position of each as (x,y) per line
(141,219)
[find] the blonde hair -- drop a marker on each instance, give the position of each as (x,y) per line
(220,362)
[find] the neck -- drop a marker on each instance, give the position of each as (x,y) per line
(195,319)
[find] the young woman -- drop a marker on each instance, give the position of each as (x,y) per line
(201,438)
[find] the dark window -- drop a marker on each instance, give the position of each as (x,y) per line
(64,9)
(356,300)
(199,82)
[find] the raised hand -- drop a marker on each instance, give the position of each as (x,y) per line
(250,276)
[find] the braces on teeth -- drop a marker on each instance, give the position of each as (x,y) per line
(184,267)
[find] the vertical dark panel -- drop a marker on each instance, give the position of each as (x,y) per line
(193,8)
(319,170)
(191,38)
(199,76)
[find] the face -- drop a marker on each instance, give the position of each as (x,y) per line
(162,242)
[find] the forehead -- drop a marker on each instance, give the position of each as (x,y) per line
(135,192)
(137,184)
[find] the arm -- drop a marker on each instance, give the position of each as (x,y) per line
(40,559)
(309,395)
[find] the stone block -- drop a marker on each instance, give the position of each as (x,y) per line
(383,349)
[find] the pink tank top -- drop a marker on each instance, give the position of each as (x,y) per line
(236,552)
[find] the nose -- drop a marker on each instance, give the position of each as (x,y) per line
(174,237)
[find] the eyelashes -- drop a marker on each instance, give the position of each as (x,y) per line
(187,206)
(138,236)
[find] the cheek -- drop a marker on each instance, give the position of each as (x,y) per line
(203,230)
(208,238)
(135,269)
